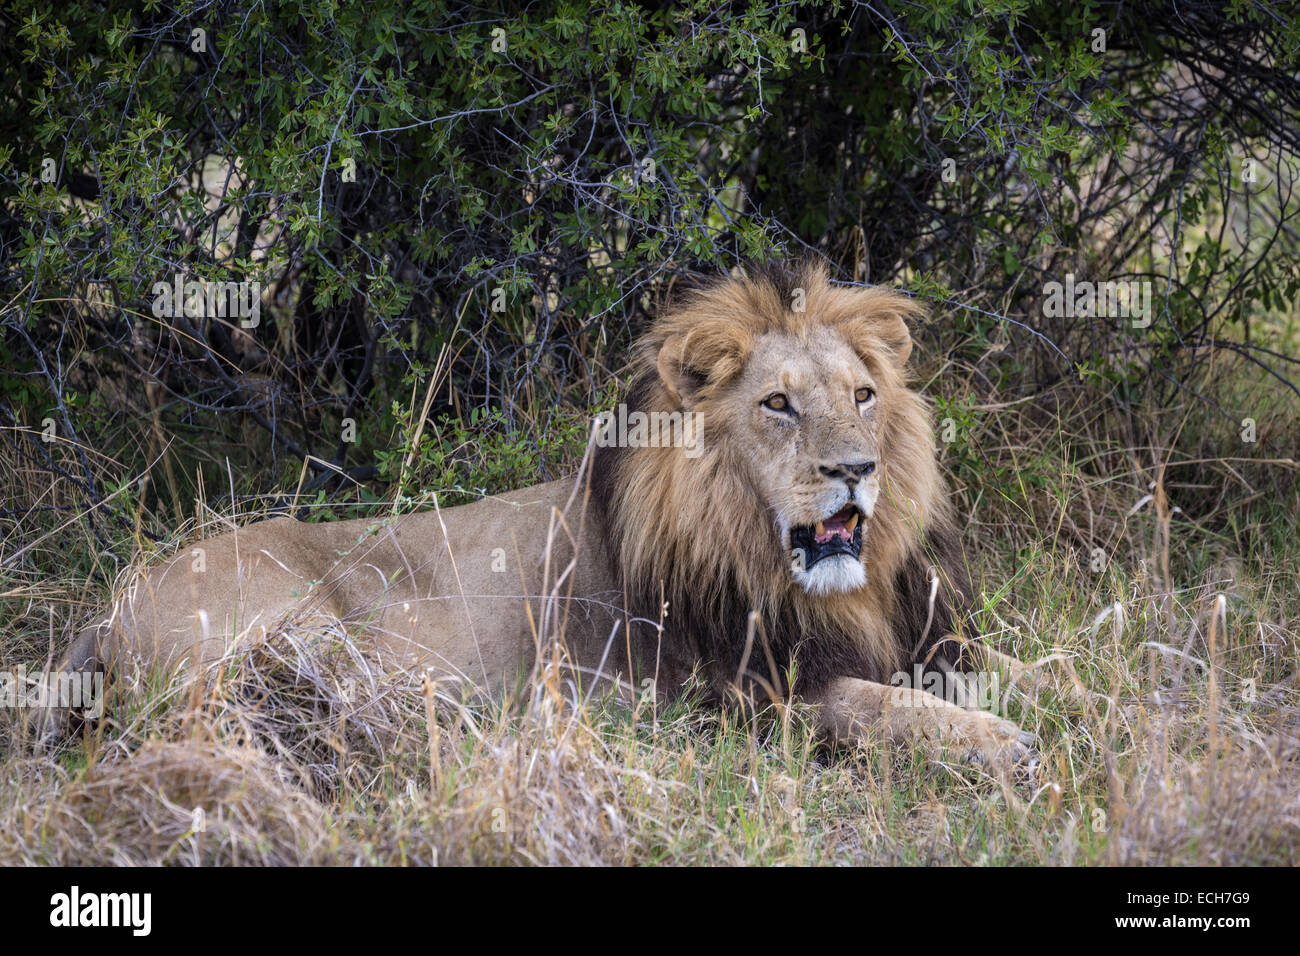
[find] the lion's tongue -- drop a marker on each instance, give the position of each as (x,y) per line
(837,525)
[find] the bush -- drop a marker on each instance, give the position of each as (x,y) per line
(423,191)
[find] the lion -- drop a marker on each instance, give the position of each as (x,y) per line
(790,537)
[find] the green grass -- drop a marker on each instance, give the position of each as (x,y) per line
(308,751)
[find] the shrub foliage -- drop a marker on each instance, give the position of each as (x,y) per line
(447,207)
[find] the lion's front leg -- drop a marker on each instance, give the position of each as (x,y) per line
(848,707)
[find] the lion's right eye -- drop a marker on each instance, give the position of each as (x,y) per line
(777,402)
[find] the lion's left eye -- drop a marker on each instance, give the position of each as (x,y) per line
(864,395)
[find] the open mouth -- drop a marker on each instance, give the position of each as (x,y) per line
(841,533)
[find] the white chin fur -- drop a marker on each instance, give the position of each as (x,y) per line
(834,575)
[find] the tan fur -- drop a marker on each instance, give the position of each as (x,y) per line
(425,588)
(585,557)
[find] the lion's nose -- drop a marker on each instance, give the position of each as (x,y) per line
(850,472)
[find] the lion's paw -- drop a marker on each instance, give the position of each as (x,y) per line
(1002,744)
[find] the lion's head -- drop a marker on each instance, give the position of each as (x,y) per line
(814,491)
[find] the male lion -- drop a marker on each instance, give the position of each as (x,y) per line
(788,545)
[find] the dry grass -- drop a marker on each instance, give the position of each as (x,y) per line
(300,750)
(189,802)
(305,749)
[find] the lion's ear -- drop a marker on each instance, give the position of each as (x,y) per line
(682,382)
(883,324)
(897,338)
